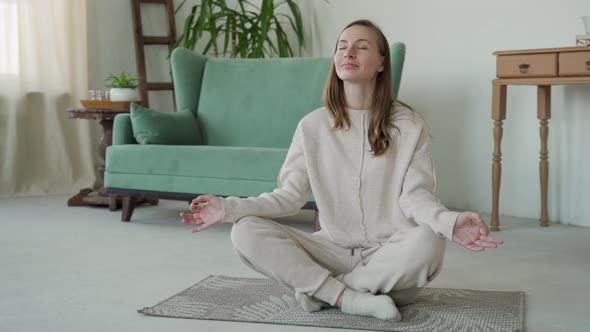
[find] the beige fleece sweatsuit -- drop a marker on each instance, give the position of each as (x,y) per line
(382,227)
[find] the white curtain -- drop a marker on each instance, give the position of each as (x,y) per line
(44,71)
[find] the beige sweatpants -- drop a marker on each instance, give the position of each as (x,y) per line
(308,263)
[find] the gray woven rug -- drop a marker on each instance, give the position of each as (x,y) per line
(265,301)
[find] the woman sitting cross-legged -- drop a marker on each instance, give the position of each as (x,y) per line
(366,158)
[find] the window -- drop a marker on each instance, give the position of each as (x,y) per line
(8,38)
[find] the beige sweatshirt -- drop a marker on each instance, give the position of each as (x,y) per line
(362,199)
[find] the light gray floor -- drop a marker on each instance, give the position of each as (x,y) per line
(81,269)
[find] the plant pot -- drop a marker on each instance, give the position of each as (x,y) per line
(123,94)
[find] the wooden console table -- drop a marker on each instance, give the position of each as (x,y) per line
(542,68)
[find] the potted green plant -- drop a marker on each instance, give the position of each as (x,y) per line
(123,86)
(247,31)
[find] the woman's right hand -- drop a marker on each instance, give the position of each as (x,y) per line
(206,211)
(471,232)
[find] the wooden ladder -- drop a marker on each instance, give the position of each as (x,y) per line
(141,41)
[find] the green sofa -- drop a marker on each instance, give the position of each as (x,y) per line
(246,110)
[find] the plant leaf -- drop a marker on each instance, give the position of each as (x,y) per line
(209,45)
(272,45)
(281,39)
(294,27)
(202,21)
(179,6)
(228,22)
(188,26)
(298,21)
(251,4)
(266,12)
(213,31)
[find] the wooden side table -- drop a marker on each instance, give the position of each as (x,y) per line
(542,68)
(87,196)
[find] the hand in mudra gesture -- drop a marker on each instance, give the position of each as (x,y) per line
(471,232)
(206,211)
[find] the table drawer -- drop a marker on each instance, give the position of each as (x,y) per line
(527,65)
(574,63)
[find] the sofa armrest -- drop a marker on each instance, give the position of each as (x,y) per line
(122,130)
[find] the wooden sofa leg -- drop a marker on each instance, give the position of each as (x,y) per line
(316,226)
(128,207)
(112,203)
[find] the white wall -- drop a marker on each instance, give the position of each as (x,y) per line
(447,77)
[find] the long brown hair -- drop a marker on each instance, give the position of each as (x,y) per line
(380,109)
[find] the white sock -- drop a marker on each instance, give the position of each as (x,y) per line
(367,304)
(308,303)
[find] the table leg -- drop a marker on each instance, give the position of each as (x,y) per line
(87,196)
(498,114)
(112,203)
(105,141)
(544,114)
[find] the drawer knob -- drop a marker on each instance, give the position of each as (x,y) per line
(524,68)
(588,65)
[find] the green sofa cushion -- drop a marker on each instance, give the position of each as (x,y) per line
(156,127)
(255,164)
(258,102)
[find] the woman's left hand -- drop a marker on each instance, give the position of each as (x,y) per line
(471,232)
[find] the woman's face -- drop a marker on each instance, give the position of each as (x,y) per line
(357,58)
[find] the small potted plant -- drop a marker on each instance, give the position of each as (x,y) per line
(123,86)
